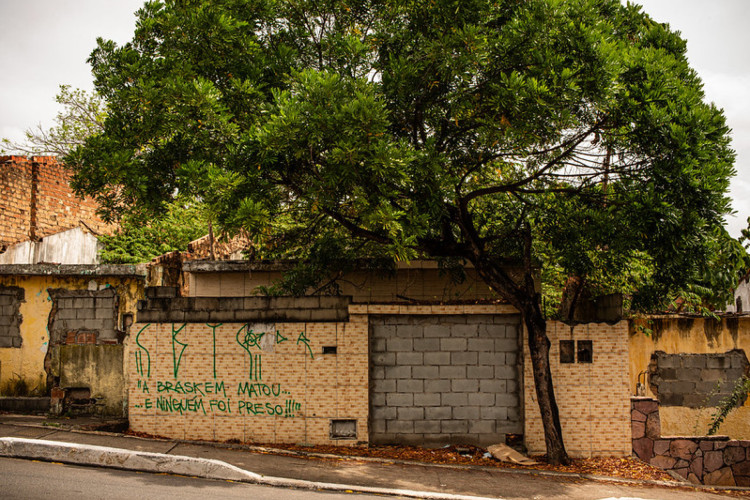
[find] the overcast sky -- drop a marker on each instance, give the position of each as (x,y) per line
(45,43)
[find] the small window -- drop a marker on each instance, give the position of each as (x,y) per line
(329,349)
(343,429)
(585,351)
(567,351)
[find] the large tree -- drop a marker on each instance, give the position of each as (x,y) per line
(485,132)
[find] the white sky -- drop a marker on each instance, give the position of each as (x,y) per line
(45,43)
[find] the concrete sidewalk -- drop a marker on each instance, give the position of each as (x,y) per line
(67,441)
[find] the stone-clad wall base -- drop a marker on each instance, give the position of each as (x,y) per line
(711,460)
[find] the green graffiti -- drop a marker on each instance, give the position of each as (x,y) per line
(200,388)
(171,404)
(287,410)
(246,341)
(213,333)
(259,390)
(139,355)
(303,338)
(176,360)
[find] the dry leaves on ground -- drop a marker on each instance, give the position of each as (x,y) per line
(626,467)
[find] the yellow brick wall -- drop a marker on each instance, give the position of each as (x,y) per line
(593,398)
(260,383)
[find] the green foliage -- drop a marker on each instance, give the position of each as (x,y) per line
(508,134)
(738,396)
(82,116)
(469,131)
(140,240)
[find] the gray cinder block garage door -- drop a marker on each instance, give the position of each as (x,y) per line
(444,379)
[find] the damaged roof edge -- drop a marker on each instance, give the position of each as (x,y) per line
(213,266)
(137,271)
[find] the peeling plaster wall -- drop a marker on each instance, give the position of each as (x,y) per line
(28,360)
(689,335)
(98,368)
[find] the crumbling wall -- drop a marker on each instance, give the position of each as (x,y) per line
(10,316)
(85,311)
(84,362)
(709,353)
(37,200)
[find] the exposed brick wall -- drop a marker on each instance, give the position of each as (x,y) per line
(593,397)
(15,202)
(37,200)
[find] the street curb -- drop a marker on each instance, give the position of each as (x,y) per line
(681,483)
(102,456)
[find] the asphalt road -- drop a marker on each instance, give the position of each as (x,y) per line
(27,479)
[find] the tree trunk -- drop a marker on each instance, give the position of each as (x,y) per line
(523,296)
(539,345)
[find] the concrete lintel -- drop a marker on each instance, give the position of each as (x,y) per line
(216,266)
(73,270)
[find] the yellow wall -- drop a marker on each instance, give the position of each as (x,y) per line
(593,398)
(28,361)
(676,335)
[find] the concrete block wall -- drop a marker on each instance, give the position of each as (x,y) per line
(421,280)
(696,380)
(593,398)
(10,317)
(85,354)
(84,311)
(437,379)
(162,305)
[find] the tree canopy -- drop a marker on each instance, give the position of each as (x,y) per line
(139,240)
(497,133)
